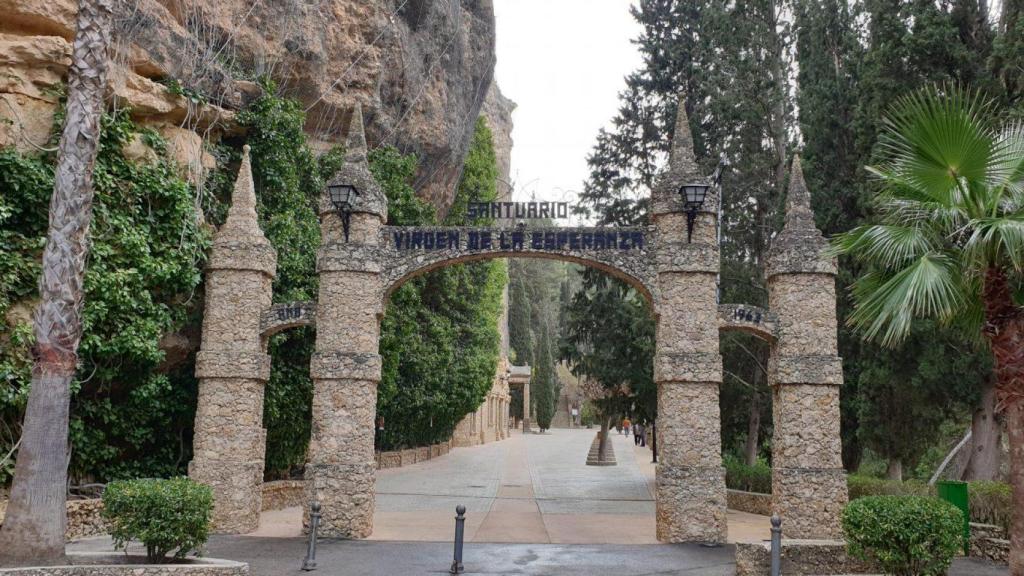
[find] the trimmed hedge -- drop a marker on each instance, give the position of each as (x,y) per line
(905,535)
(861,486)
(165,515)
(990,503)
(740,476)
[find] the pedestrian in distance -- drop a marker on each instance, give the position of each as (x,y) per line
(627,426)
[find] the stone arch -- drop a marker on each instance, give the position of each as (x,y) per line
(676,271)
(753,320)
(402,273)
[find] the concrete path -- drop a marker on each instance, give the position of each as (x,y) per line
(283,556)
(534,507)
(533,488)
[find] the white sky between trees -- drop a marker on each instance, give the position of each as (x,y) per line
(563,62)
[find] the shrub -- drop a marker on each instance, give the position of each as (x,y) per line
(905,535)
(990,503)
(740,476)
(165,515)
(860,486)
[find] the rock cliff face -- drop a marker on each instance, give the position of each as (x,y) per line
(498,112)
(420,68)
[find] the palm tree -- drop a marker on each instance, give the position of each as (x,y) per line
(949,244)
(33,530)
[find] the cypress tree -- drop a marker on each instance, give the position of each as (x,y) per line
(542,386)
(519,312)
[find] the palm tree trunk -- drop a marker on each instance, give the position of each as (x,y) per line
(1004,328)
(33,530)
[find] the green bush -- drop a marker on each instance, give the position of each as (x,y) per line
(905,535)
(990,503)
(740,476)
(165,515)
(860,486)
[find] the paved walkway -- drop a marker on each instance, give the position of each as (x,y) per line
(534,507)
(533,488)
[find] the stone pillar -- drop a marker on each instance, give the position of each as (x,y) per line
(232,365)
(691,497)
(805,372)
(346,365)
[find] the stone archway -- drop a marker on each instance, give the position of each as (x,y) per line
(677,275)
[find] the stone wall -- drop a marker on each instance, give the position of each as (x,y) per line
(989,542)
(83,518)
(751,502)
(282,494)
(489,422)
(800,558)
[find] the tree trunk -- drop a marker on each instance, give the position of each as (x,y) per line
(895,470)
(1004,328)
(1014,416)
(986,438)
(602,444)
(33,530)
(753,422)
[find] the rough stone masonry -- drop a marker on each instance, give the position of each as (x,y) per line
(678,274)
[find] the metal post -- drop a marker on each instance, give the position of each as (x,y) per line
(460,529)
(309,563)
(776,545)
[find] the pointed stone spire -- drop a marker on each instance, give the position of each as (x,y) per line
(355,144)
(682,169)
(356,172)
(799,247)
(798,198)
(242,222)
(682,139)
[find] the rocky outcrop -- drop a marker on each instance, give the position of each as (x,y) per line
(420,68)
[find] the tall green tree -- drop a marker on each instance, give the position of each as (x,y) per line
(1007,60)
(542,382)
(519,312)
(439,337)
(949,244)
(609,341)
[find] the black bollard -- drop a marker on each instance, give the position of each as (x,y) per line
(309,563)
(776,545)
(460,529)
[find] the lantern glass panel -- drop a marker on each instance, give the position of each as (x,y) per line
(342,196)
(694,194)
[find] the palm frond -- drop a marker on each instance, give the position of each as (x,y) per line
(1007,175)
(995,241)
(904,201)
(939,140)
(887,304)
(886,245)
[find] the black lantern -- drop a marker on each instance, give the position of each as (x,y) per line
(343,197)
(693,198)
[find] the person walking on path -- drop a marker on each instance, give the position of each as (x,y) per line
(638,429)
(643,436)
(626,426)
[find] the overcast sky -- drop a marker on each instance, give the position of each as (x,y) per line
(563,62)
